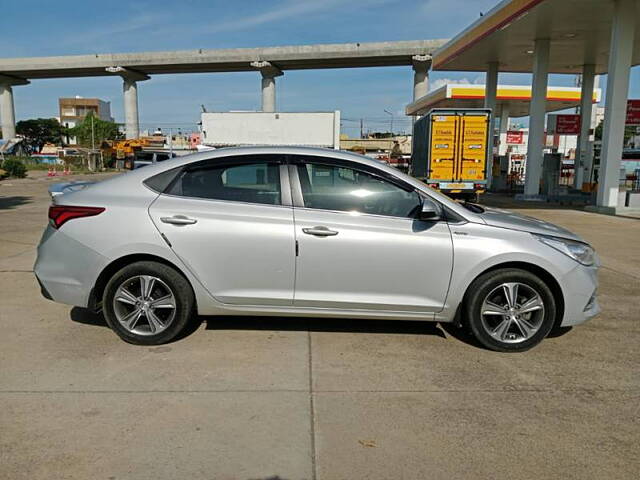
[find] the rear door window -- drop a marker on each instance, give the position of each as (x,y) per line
(256,181)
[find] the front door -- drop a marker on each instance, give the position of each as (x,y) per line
(232,226)
(360,246)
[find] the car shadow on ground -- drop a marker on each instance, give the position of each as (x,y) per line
(338,325)
(7,203)
(301,324)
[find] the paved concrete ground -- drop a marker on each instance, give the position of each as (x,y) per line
(258,398)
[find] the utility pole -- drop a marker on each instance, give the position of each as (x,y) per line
(361,128)
(391,115)
(93,137)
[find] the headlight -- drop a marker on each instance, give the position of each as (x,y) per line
(580,252)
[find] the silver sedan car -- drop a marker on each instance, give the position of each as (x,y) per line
(306,232)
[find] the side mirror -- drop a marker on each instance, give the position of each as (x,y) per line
(430,210)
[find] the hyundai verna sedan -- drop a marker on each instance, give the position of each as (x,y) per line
(306,232)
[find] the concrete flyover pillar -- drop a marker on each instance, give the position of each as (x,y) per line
(7,108)
(586,107)
(620,53)
(269,73)
(130,79)
(421,65)
(537,110)
(131,117)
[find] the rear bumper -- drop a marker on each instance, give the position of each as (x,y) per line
(66,269)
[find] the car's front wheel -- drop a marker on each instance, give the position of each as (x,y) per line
(148,303)
(510,310)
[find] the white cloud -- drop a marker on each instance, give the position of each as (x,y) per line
(441,82)
(283,11)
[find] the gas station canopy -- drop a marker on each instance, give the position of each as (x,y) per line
(579,32)
(514,98)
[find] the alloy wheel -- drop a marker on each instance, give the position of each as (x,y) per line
(512,312)
(144,305)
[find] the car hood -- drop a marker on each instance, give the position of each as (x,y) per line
(514,221)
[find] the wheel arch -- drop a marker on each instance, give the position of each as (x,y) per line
(95,296)
(540,272)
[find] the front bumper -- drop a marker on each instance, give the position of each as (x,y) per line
(580,287)
(66,269)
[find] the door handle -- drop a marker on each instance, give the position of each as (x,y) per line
(178,220)
(320,231)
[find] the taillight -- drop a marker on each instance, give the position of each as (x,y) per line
(61,214)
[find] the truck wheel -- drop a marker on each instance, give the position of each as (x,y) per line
(510,310)
(148,303)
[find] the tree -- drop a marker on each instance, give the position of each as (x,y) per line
(38,131)
(87,134)
(629,131)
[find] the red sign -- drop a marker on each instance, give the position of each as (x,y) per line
(567,124)
(515,137)
(633,112)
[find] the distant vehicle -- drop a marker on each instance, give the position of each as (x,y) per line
(306,232)
(451,149)
(146,157)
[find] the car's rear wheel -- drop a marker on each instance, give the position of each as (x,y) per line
(510,310)
(148,303)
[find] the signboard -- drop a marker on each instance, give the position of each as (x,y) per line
(564,124)
(515,137)
(633,112)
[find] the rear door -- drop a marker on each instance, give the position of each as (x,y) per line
(472,151)
(443,145)
(230,220)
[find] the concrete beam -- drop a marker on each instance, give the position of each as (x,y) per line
(12,80)
(267,69)
(7,107)
(128,73)
(537,110)
(269,73)
(421,65)
(622,33)
(298,57)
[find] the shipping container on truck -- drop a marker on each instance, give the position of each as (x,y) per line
(451,149)
(314,129)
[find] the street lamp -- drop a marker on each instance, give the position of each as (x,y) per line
(391,115)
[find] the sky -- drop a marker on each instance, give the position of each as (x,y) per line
(67,27)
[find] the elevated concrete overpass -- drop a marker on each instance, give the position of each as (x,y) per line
(271,62)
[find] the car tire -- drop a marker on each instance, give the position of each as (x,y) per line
(509,310)
(148,303)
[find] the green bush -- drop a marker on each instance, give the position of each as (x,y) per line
(14,168)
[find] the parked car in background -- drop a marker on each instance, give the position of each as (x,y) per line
(148,157)
(307,232)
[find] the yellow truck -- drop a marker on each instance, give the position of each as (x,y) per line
(451,150)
